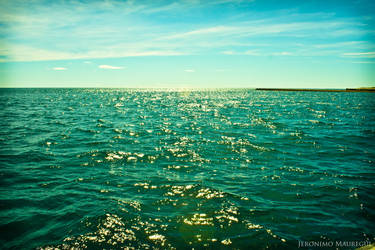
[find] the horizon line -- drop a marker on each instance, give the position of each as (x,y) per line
(253,88)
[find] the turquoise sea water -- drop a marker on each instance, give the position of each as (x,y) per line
(145,169)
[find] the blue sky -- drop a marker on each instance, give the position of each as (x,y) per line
(217,43)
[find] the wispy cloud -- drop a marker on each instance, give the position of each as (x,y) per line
(257,53)
(59,68)
(360,54)
(341,44)
(109,67)
(134,28)
(24,53)
(283,53)
(179,34)
(263,27)
(247,52)
(186,5)
(228,52)
(163,8)
(251,53)
(365,62)
(211,30)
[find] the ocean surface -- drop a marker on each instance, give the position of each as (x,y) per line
(183,169)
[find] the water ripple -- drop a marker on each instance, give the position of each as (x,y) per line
(171,169)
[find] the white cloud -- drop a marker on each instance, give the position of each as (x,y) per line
(251,53)
(248,53)
(205,31)
(228,52)
(360,54)
(59,68)
(109,67)
(257,53)
(341,44)
(366,62)
(189,70)
(23,53)
(283,53)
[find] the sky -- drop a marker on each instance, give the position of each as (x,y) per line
(187,43)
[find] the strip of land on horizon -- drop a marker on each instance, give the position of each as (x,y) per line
(365,89)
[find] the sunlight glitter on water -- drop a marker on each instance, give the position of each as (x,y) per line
(146,169)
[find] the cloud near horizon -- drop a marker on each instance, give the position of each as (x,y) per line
(109,67)
(59,68)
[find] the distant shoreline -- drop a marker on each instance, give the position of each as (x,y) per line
(321,90)
(369,89)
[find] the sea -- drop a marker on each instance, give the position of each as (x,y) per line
(186,169)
